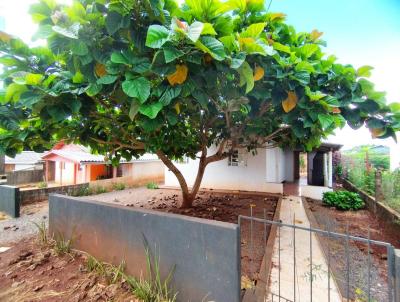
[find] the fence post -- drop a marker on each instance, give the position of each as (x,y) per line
(378,185)
(397,275)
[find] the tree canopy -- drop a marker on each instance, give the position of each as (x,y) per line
(135,76)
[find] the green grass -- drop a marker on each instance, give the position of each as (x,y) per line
(118,186)
(150,289)
(43,237)
(62,246)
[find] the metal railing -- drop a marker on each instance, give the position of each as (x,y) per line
(351,271)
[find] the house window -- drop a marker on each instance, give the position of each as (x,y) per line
(237,158)
(234,159)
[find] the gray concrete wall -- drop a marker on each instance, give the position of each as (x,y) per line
(25,177)
(36,195)
(206,253)
(10,200)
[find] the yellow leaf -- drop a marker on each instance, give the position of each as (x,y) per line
(376,132)
(177,108)
(179,76)
(100,70)
(315,35)
(246,282)
(258,73)
(274,16)
(245,41)
(5,37)
(290,103)
(336,110)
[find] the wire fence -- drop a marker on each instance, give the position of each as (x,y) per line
(348,270)
(383,185)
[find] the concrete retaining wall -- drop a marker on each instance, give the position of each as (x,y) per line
(10,200)
(25,177)
(206,253)
(36,195)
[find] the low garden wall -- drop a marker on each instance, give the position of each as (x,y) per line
(10,200)
(205,253)
(25,177)
(36,194)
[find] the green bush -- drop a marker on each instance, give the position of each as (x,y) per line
(83,191)
(152,185)
(118,186)
(343,200)
(42,185)
(100,190)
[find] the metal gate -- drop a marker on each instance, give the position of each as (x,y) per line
(301,263)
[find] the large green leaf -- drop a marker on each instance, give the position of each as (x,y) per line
(170,94)
(118,58)
(325,120)
(254,30)
(157,35)
(150,110)
(79,48)
(308,50)
(14,91)
(246,76)
(107,79)
(134,109)
(113,22)
(364,71)
(171,53)
(138,88)
(212,46)
(71,32)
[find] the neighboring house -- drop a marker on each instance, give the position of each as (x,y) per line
(267,171)
(74,164)
(26,160)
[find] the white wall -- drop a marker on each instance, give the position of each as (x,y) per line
(261,173)
(148,171)
(67,174)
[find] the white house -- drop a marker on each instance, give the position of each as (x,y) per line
(26,160)
(272,170)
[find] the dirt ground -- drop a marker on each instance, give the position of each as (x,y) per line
(210,205)
(358,222)
(30,273)
(15,229)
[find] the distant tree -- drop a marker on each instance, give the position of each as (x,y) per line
(132,76)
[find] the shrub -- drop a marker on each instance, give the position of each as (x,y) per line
(83,191)
(42,185)
(118,186)
(100,190)
(343,200)
(152,185)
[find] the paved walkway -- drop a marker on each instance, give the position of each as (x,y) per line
(292,212)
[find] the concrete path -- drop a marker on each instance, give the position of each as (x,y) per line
(292,212)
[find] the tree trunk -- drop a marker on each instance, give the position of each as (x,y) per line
(188,196)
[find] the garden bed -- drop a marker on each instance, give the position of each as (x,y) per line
(210,205)
(359,222)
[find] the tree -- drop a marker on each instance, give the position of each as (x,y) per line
(128,77)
